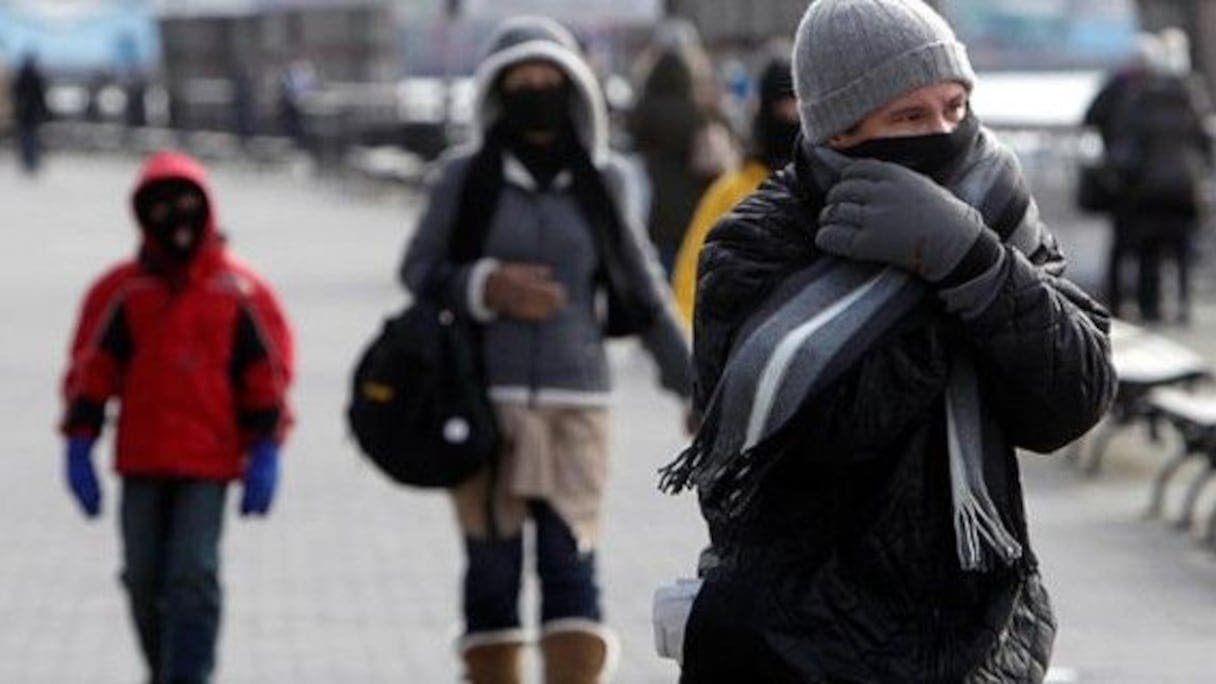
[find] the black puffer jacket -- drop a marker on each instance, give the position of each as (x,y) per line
(845,568)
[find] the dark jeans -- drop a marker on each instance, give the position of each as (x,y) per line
(495,568)
(1150,239)
(171,537)
(1148,293)
(29,144)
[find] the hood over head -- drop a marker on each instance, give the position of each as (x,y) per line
(169,166)
(773,136)
(533,39)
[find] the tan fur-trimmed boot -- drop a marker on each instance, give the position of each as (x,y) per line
(578,651)
(492,658)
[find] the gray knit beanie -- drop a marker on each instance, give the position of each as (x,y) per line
(852,57)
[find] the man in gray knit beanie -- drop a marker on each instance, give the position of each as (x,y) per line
(878,329)
(887,80)
(854,57)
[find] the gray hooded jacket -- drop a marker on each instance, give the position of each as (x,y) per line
(561,361)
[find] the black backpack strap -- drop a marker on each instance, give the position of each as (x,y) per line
(479,194)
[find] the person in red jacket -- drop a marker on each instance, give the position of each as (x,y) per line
(198,352)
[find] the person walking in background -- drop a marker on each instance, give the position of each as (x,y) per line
(30,112)
(541,196)
(680,133)
(1105,114)
(296,85)
(1150,117)
(6,98)
(1164,156)
(135,86)
(244,103)
(199,354)
(877,330)
(774,129)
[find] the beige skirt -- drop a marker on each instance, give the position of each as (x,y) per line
(555,454)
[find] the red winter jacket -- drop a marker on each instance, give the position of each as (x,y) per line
(199,355)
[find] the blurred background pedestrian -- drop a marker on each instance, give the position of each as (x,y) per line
(296,86)
(538,198)
(30,112)
(6,98)
(680,132)
(197,351)
(1150,116)
(773,131)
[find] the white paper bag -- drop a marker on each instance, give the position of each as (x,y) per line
(672,606)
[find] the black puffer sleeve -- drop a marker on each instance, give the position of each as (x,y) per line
(1044,353)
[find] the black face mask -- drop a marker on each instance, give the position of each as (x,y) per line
(536,110)
(176,224)
(931,155)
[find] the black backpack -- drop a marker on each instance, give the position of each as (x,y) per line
(418,405)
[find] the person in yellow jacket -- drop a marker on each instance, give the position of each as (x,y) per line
(774,130)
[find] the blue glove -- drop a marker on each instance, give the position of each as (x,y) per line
(81,477)
(261,478)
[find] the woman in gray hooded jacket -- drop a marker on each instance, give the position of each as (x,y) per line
(562,266)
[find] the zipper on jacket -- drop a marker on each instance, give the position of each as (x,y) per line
(533,374)
(938,660)
(534,351)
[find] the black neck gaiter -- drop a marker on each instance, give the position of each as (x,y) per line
(536,110)
(544,162)
(930,155)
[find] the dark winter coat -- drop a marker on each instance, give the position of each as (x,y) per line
(845,568)
(665,124)
(1155,140)
(29,97)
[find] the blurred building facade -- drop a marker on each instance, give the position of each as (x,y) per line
(727,24)
(1198,18)
(80,37)
(1036,35)
(217,55)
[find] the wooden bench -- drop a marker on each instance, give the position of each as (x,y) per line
(1145,362)
(1194,418)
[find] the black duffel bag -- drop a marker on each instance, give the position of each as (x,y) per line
(1098,188)
(418,407)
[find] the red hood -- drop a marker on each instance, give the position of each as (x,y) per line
(168,165)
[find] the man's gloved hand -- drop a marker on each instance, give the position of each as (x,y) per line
(261,478)
(81,477)
(885,213)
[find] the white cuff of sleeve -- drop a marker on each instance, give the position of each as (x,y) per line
(476,295)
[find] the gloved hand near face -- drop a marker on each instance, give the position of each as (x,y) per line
(885,213)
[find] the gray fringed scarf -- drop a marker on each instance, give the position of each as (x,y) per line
(818,324)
